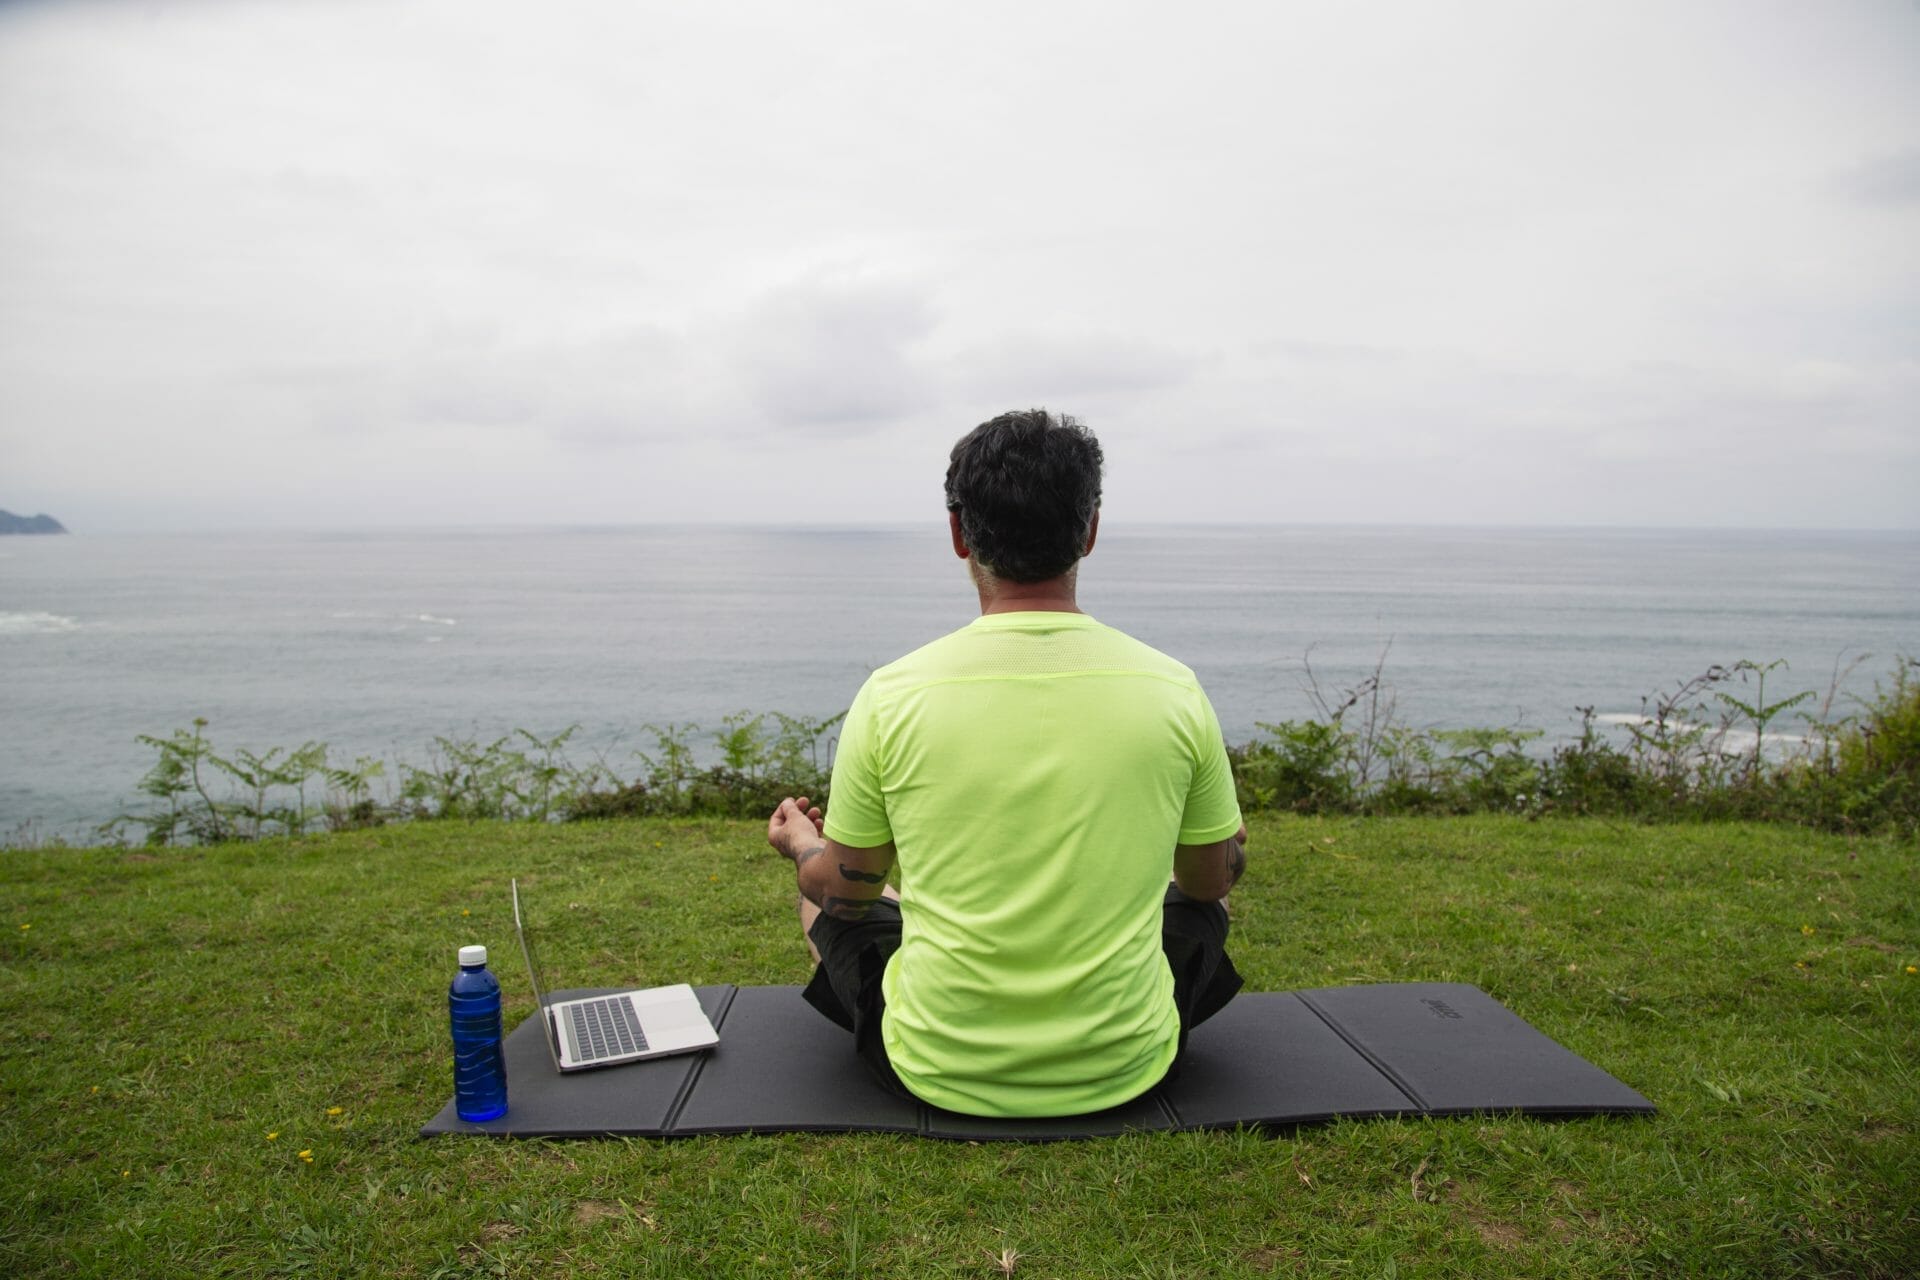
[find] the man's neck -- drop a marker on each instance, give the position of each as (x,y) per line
(1055,595)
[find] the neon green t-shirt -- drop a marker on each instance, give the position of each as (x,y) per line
(1034,771)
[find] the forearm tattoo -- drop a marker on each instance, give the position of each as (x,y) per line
(848,873)
(847,908)
(805,856)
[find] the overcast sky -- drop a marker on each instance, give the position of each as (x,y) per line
(313,264)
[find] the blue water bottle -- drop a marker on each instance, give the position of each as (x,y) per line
(479,1067)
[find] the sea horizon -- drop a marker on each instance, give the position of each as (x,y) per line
(376,641)
(859,526)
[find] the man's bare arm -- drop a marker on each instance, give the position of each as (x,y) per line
(841,880)
(1206,872)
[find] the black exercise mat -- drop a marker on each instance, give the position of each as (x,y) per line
(1453,1049)
(1268,1058)
(780,1065)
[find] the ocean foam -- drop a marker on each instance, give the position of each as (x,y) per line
(37,623)
(1730,740)
(401,619)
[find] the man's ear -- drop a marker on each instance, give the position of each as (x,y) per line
(960,547)
(1093,532)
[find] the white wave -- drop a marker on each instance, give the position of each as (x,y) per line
(1728,740)
(1742,740)
(435,639)
(401,618)
(36,623)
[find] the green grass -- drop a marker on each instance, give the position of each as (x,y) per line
(165,1013)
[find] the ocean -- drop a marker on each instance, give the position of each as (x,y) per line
(376,642)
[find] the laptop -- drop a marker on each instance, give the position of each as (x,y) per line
(601,1031)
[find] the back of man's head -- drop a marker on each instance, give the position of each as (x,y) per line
(1026,486)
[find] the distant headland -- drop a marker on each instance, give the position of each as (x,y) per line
(42,523)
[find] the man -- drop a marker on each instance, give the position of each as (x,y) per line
(1036,777)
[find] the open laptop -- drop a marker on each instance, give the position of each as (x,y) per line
(600,1031)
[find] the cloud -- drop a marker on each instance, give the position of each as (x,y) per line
(1054,367)
(1304,351)
(1810,419)
(623,386)
(346,253)
(828,353)
(834,352)
(1892,179)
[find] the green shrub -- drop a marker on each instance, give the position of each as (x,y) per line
(1869,777)
(1853,774)
(466,778)
(1686,757)
(1301,768)
(1591,776)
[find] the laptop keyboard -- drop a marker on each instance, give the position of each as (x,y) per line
(605,1029)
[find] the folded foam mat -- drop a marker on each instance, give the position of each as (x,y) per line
(1268,1058)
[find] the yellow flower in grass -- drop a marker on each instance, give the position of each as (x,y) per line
(25,927)
(1807,929)
(307,1155)
(1912,969)
(334,1111)
(465,912)
(273,1135)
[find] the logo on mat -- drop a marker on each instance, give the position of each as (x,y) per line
(1441,1009)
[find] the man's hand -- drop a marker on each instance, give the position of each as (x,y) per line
(846,882)
(795,829)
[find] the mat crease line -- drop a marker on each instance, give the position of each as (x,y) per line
(1393,1077)
(672,1118)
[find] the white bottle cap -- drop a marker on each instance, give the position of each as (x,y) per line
(470,956)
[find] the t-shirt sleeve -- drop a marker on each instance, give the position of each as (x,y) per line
(856,807)
(1213,810)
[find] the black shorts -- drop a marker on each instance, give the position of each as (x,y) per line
(854,953)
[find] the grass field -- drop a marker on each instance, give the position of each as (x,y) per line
(214,1062)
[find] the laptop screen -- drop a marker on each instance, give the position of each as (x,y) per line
(533,975)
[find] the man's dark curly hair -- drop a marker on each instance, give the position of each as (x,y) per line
(1026,485)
